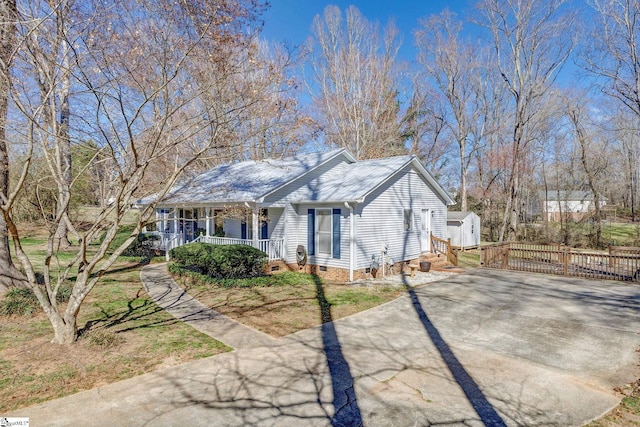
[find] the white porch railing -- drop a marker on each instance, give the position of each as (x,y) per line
(274,248)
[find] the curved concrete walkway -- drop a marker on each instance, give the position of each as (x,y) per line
(165,291)
(484,348)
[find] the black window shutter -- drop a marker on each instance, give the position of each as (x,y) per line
(311,231)
(243,230)
(264,227)
(336,233)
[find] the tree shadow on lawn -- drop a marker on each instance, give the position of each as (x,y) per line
(132,314)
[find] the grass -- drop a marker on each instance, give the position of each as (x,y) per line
(286,302)
(615,234)
(123,334)
(627,413)
(469,258)
(621,234)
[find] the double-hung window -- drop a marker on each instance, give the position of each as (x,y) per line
(323,237)
(408,220)
(323,231)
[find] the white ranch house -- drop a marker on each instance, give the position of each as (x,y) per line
(572,205)
(338,211)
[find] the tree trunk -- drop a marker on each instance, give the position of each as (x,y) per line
(463,176)
(65,331)
(64,160)
(9,274)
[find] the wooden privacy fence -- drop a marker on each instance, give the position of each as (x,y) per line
(621,263)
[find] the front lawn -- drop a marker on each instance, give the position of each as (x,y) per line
(287,302)
(124,334)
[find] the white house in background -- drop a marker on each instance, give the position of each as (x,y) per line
(328,209)
(463,228)
(572,205)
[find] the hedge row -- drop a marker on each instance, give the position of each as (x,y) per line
(221,261)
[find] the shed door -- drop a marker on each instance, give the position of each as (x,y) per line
(425,230)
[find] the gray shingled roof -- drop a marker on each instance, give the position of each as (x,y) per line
(585,196)
(351,182)
(457,215)
(244,181)
(249,181)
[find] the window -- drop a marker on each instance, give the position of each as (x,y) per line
(323,231)
(323,236)
(408,220)
(162,220)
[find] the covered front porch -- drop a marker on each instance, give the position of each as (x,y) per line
(260,227)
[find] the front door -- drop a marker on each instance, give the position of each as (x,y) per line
(189,224)
(425,230)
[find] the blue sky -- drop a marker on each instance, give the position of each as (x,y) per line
(290,20)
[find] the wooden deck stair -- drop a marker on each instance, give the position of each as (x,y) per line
(439,262)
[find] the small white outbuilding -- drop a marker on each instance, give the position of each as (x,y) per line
(463,228)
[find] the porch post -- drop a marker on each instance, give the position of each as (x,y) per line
(352,239)
(254,219)
(207,221)
(175,221)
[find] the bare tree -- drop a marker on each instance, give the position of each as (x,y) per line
(135,72)
(590,149)
(613,56)
(424,129)
(449,63)
(612,52)
(531,44)
(9,274)
(47,44)
(274,124)
(355,86)
(625,129)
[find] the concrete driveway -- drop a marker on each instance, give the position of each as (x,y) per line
(482,348)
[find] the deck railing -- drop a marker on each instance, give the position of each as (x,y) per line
(444,247)
(562,260)
(274,248)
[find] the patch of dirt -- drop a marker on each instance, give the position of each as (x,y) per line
(627,413)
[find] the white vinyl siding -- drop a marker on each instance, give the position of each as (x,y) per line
(296,215)
(378,221)
(381,220)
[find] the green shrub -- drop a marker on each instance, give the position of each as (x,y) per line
(221,261)
(287,278)
(143,246)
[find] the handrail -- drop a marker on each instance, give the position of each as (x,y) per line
(170,244)
(444,247)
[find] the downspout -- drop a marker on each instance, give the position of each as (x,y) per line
(351,239)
